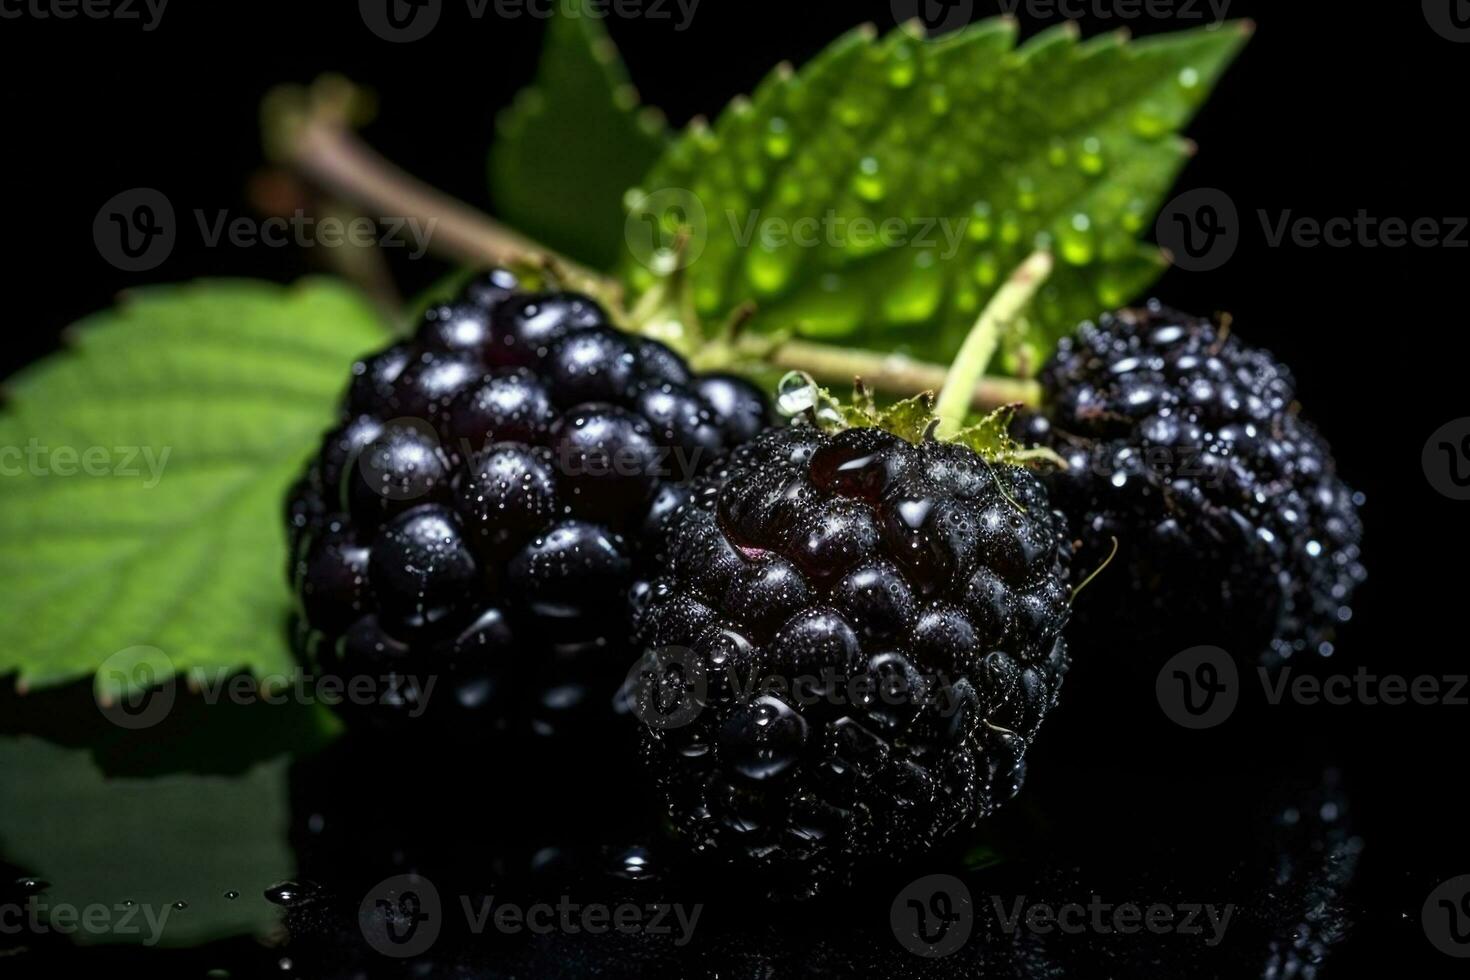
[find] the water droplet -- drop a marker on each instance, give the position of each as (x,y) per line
(290,893)
(1010,228)
(850,113)
(232,895)
(1150,121)
(986,269)
(769,269)
(1134,215)
(1026,195)
(796,393)
(868,182)
(939,101)
(980,227)
(1076,240)
(778,139)
(1090,160)
(916,296)
(634,864)
(1111,292)
(180,906)
(32,886)
(1188,78)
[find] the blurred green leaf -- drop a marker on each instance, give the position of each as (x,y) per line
(144,472)
(153,842)
(882,193)
(573,143)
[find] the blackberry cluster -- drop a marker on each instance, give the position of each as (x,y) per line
(1184,444)
(854,642)
(475,520)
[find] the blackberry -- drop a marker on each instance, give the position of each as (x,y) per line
(476,519)
(1185,445)
(853,641)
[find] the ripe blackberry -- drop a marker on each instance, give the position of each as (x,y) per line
(467,534)
(1185,445)
(852,643)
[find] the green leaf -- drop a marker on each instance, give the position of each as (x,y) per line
(573,143)
(104,841)
(143,475)
(974,151)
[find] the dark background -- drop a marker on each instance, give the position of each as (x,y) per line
(1328,111)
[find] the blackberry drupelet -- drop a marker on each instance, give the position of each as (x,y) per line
(853,642)
(475,520)
(1184,444)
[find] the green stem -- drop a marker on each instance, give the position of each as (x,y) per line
(311,131)
(892,374)
(979,347)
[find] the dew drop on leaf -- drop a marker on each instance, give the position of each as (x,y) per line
(1090,160)
(939,100)
(778,139)
(868,182)
(769,269)
(987,270)
(917,295)
(1010,228)
(1076,240)
(1149,121)
(1026,195)
(980,227)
